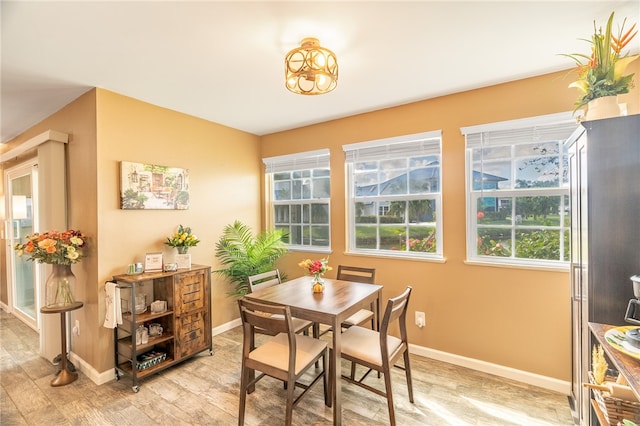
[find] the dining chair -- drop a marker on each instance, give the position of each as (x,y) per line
(269,279)
(379,351)
(357,274)
(362,275)
(286,356)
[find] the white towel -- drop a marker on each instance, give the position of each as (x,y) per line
(113,315)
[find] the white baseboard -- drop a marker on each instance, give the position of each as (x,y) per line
(96,377)
(226,327)
(533,379)
(545,382)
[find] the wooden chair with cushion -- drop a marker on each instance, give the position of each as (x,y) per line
(286,356)
(269,279)
(379,351)
(361,275)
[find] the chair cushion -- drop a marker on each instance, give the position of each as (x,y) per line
(359,317)
(363,343)
(275,352)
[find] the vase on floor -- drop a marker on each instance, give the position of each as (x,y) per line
(59,287)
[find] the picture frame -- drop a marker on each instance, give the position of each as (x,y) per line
(153,187)
(153,262)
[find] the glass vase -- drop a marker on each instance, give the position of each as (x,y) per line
(317,283)
(59,287)
(182,249)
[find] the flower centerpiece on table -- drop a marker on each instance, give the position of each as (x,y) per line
(60,249)
(600,74)
(182,239)
(316,268)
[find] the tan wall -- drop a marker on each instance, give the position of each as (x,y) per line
(106,128)
(515,317)
(224,178)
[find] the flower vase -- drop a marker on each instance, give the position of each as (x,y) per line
(317,283)
(604,107)
(182,249)
(59,287)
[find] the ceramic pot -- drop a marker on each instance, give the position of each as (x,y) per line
(604,107)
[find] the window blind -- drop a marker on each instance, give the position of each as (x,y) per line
(537,129)
(299,161)
(398,147)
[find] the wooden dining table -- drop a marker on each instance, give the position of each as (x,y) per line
(339,301)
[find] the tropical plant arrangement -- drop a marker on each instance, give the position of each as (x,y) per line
(182,239)
(602,72)
(243,254)
(53,247)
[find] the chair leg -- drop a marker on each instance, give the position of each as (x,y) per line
(244,379)
(407,368)
(387,386)
(291,385)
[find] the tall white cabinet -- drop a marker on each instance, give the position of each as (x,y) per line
(604,162)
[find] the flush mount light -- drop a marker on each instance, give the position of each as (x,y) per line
(311,69)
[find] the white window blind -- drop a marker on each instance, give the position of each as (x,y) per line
(398,147)
(544,128)
(299,161)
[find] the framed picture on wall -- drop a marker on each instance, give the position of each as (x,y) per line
(150,186)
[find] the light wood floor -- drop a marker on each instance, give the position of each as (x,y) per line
(204,391)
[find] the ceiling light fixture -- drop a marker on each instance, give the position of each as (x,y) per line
(311,69)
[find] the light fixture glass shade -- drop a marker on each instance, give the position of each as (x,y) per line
(311,69)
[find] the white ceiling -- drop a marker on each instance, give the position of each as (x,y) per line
(223,60)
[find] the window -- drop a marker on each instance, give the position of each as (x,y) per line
(394,196)
(300,190)
(518,191)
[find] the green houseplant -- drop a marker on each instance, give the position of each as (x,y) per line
(242,254)
(601,73)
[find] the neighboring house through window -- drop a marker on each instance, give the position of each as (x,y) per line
(518,191)
(299,190)
(394,196)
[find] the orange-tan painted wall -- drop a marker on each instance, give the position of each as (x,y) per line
(519,318)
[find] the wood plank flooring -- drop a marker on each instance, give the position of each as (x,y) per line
(204,391)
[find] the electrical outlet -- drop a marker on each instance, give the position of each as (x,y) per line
(76,328)
(420,319)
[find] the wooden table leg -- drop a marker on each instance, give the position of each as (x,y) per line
(336,373)
(65,376)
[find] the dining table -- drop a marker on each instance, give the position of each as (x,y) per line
(339,300)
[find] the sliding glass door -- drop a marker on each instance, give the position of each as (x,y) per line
(21,196)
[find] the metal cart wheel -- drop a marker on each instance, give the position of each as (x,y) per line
(135,388)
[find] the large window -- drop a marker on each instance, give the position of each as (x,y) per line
(394,196)
(518,191)
(300,192)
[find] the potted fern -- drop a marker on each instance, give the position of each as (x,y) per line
(243,254)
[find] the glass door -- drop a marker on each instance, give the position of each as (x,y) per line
(22,275)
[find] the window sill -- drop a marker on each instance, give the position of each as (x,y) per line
(546,267)
(390,256)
